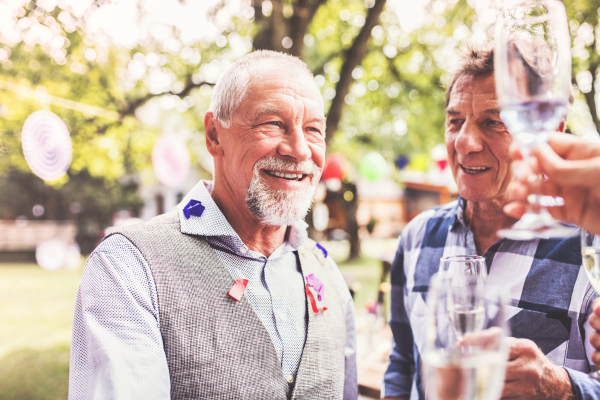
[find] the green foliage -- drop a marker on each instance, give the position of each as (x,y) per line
(395,105)
(29,374)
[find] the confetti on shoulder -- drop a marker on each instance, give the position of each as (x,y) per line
(194,207)
(322,249)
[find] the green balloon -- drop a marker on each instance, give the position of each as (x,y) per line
(373,167)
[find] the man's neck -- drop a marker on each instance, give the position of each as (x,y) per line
(485,219)
(257,236)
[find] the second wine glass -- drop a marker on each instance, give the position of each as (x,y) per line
(461,365)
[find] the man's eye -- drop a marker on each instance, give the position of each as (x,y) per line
(495,123)
(456,121)
(276,123)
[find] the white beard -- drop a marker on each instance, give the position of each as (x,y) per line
(280,207)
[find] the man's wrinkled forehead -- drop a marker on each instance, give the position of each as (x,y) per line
(473,94)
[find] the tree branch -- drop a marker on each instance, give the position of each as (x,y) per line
(304,11)
(129,108)
(354,56)
(590,97)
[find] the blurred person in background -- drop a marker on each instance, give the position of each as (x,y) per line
(572,169)
(549,293)
(159,314)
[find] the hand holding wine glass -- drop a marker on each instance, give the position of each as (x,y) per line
(532,70)
(464,364)
(572,166)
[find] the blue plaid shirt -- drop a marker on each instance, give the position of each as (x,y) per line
(550,293)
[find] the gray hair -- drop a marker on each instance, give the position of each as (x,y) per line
(477,59)
(232,86)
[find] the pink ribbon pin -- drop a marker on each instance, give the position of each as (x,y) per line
(316,284)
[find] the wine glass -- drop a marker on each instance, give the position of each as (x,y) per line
(470,366)
(532,70)
(465,307)
(590,254)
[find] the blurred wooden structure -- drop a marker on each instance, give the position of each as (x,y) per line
(418,197)
(19,239)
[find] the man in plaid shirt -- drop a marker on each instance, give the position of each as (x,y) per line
(549,291)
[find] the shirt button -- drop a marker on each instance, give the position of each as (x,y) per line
(290,378)
(243,250)
(282,316)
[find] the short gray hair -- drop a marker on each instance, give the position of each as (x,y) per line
(477,60)
(232,86)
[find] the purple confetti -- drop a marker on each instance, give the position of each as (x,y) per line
(194,207)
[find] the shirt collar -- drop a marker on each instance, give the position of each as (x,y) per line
(212,222)
(459,214)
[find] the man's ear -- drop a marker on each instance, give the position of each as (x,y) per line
(562,126)
(212,129)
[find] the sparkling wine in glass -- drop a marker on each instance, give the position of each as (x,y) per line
(469,365)
(532,70)
(466,275)
(590,253)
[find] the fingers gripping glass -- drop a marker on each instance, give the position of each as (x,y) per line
(532,70)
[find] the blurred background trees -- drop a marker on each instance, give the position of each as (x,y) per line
(148,67)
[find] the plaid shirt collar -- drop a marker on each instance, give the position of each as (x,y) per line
(212,222)
(459,215)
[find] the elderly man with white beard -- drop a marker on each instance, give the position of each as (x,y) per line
(226,297)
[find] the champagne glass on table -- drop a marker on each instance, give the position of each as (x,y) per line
(466,365)
(465,307)
(532,70)
(590,253)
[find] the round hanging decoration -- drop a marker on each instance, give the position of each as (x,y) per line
(47,145)
(171,160)
(336,166)
(440,156)
(373,167)
(51,255)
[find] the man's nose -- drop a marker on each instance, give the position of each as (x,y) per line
(294,144)
(469,139)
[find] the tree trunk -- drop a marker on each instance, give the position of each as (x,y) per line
(354,56)
(351,224)
(590,97)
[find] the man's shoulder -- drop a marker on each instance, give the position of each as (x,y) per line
(164,222)
(432,219)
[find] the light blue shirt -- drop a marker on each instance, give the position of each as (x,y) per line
(117,349)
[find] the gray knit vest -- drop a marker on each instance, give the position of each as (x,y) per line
(218,348)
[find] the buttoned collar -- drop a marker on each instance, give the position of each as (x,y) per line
(212,222)
(459,214)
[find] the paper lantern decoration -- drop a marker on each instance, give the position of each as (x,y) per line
(320,217)
(336,166)
(442,164)
(47,145)
(51,255)
(440,156)
(171,160)
(402,161)
(373,167)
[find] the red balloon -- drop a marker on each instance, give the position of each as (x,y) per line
(335,167)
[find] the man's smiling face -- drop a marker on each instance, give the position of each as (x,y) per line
(476,139)
(275,147)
